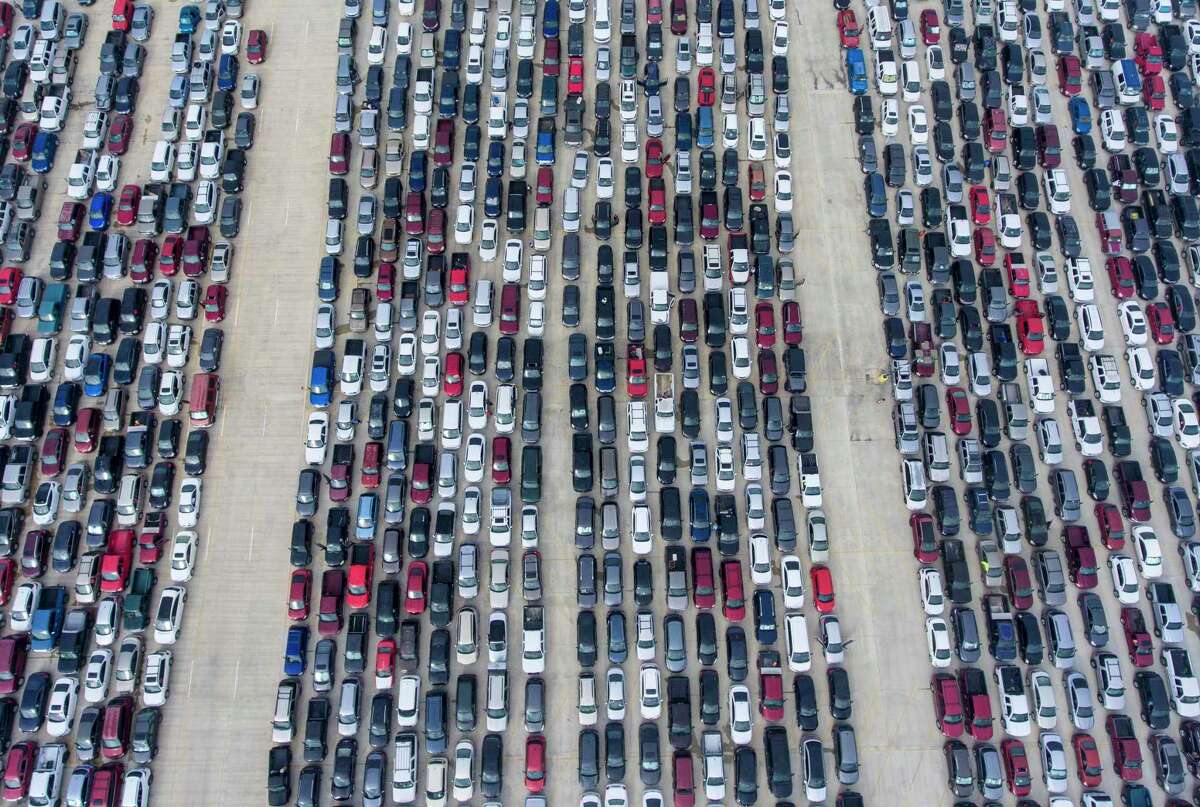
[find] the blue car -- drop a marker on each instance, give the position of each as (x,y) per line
(322,379)
(550,15)
(683,132)
(189,18)
(295,654)
(66,402)
(46,624)
(765,628)
(493,192)
(95,375)
(495,159)
(856,71)
(705,131)
(100,210)
(227,72)
(418,168)
(45,147)
(1081,115)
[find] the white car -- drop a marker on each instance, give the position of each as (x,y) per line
(1149,552)
(1133,323)
(231,37)
(741,719)
(96,675)
(1159,415)
(937,639)
(1167,133)
(1091,327)
(760,559)
(1189,552)
(1124,579)
(792,577)
(933,598)
(473,461)
(1187,425)
(183,556)
(918,124)
(1054,762)
(464,224)
(189,501)
(24,603)
(75,358)
(1045,707)
(783,191)
(1142,373)
(889,117)
(168,616)
(60,711)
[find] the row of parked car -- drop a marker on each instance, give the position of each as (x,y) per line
(966,223)
(91,593)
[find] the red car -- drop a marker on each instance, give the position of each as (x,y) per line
(54,451)
(414,213)
(960,410)
(706,87)
(947,704)
(114,736)
(1154,93)
(1109,228)
(256,46)
(925,543)
(501,460)
(339,154)
(372,456)
(543,192)
(117,561)
(414,596)
(127,205)
(793,327)
(1019,582)
(10,283)
(14,652)
(636,372)
(1148,54)
(657,213)
(362,567)
(981,205)
(704,588)
(931,31)
(1162,322)
(1127,754)
(385,661)
(824,597)
(87,430)
(18,765)
(119,132)
(1016,768)
(443,142)
(1112,528)
(142,260)
(678,17)
(70,221)
(214,302)
(770,694)
(298,594)
(684,789)
(550,57)
(8,571)
(654,158)
(1087,759)
(420,491)
(340,473)
(849,30)
(333,588)
(1031,330)
(689,320)
(985,247)
(452,375)
(535,764)
(171,255)
(733,596)
(764,324)
(1137,638)
(196,250)
(768,372)
(575,75)
(1018,275)
(151,537)
(510,309)
(758,182)
(710,217)
(435,231)
(1120,277)
(1070,75)
(385,283)
(460,278)
(21,145)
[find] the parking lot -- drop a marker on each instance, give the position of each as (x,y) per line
(226,664)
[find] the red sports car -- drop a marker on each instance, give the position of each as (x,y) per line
(824,597)
(849,30)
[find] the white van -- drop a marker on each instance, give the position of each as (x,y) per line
(404,769)
(879,24)
(1112,130)
(602,25)
(799,654)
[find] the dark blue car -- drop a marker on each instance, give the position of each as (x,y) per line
(100,210)
(189,18)
(495,159)
(492,194)
(699,515)
(418,166)
(227,72)
(45,146)
(66,402)
(95,375)
(295,654)
(550,15)
(765,628)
